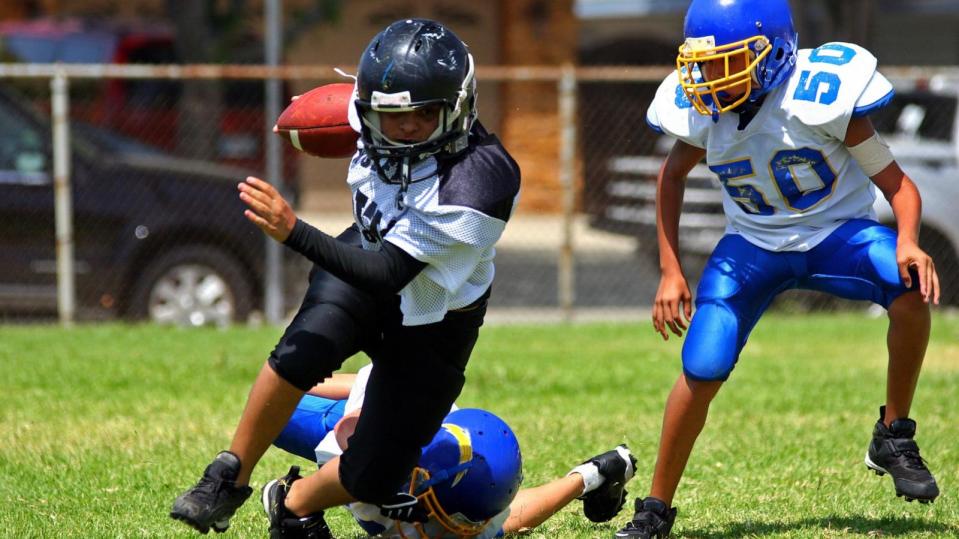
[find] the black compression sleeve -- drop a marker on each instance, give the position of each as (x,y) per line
(385,271)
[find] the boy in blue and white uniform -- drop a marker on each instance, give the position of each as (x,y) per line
(467,479)
(787,132)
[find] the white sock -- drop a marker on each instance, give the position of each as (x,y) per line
(591,476)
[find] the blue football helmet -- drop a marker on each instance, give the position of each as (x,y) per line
(751,43)
(469,473)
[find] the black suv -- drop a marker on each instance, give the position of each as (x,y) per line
(155,236)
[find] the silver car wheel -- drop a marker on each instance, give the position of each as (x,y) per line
(191,295)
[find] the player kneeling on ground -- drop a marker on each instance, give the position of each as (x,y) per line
(788,134)
(407,284)
(467,481)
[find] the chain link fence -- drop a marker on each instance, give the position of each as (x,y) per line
(157,232)
(622,158)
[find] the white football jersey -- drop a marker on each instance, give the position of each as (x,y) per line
(789,180)
(368,516)
(453,214)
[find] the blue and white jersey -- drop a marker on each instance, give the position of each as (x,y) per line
(789,180)
(454,213)
(368,516)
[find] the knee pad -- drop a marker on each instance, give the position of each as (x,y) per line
(713,342)
(316,343)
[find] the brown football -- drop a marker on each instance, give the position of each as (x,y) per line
(316,122)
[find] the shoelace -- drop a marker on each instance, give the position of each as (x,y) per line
(646,522)
(208,487)
(907,449)
(913,460)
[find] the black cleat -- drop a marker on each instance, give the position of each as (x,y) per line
(617,468)
(894,451)
(653,520)
(283,523)
(213,500)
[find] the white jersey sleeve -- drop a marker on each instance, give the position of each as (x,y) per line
(878,93)
(834,83)
(451,240)
(672,114)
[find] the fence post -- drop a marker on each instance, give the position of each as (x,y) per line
(273,285)
(63,198)
(567,168)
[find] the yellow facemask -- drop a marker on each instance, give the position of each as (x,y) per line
(454,524)
(695,53)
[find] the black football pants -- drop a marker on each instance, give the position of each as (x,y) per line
(418,372)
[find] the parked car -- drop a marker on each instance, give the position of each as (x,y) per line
(155,236)
(142,109)
(920,126)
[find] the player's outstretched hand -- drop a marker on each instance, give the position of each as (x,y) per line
(267,209)
(673,294)
(909,255)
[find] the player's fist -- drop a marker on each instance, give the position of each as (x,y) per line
(910,256)
(267,209)
(672,308)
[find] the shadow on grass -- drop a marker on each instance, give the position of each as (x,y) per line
(890,526)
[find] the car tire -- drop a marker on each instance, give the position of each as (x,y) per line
(195,285)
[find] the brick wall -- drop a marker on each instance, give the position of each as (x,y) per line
(536,32)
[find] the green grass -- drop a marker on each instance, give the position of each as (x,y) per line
(102,426)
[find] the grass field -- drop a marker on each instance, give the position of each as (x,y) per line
(103,426)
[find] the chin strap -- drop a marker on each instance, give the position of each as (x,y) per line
(748,110)
(405,179)
(402,172)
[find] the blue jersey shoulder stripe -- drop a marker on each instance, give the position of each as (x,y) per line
(655,127)
(875,105)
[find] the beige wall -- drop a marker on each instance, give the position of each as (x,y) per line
(342,41)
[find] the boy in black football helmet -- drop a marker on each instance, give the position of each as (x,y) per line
(407,283)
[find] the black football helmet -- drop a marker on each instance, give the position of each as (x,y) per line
(412,64)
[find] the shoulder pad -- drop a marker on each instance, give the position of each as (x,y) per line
(484,178)
(672,114)
(878,94)
(830,83)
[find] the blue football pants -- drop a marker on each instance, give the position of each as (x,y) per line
(857,261)
(312,420)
